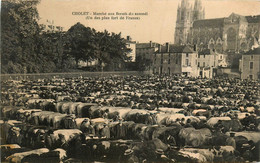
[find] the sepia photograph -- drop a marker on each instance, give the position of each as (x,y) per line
(130,81)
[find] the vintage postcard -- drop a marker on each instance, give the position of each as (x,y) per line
(130,81)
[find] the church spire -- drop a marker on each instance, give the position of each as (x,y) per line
(198,12)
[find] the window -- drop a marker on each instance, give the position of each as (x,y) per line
(169,70)
(198,64)
(221,57)
(204,55)
(250,76)
(251,65)
(203,64)
(198,56)
(176,61)
(187,54)
(187,62)
(252,57)
(169,59)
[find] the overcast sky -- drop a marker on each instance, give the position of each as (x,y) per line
(157,26)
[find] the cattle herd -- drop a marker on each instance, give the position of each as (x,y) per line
(130,118)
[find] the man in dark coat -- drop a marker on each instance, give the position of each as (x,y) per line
(231,141)
(105,131)
(121,129)
(5,127)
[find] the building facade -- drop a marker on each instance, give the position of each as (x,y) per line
(210,58)
(235,33)
(208,61)
(175,59)
(250,64)
(146,50)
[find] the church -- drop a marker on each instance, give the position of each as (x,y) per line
(235,33)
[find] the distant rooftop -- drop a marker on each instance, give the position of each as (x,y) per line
(204,52)
(218,22)
(253,19)
(176,49)
(253,51)
(146,45)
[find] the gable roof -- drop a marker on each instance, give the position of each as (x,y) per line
(255,51)
(253,19)
(176,49)
(204,52)
(146,45)
(218,22)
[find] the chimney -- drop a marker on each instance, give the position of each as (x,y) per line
(159,48)
(167,47)
(128,38)
(151,44)
(195,47)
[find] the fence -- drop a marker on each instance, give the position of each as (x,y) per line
(5,77)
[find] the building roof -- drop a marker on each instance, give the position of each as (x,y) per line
(218,22)
(204,52)
(253,19)
(128,41)
(176,49)
(255,51)
(146,45)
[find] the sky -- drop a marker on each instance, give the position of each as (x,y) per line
(157,26)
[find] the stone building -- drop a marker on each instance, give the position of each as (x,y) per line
(186,15)
(235,33)
(208,61)
(210,58)
(250,64)
(146,50)
(175,59)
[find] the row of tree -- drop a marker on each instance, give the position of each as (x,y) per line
(27,49)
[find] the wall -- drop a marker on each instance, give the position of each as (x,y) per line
(246,71)
(5,77)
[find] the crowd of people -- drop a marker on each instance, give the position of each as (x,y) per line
(147,118)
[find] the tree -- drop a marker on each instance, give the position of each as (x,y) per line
(142,63)
(86,44)
(80,43)
(19,31)
(111,48)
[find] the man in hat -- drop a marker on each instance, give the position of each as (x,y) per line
(231,140)
(14,136)
(129,157)
(161,157)
(84,124)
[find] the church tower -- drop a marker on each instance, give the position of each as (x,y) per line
(198,12)
(186,15)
